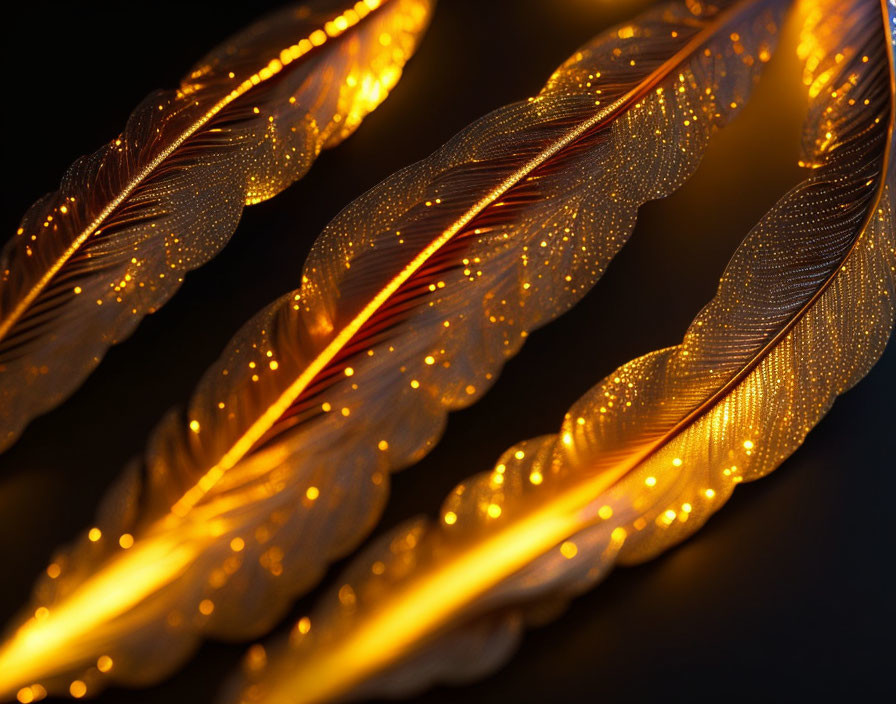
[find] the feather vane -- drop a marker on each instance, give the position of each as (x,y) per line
(114,242)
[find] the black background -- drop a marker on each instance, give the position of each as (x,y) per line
(787,594)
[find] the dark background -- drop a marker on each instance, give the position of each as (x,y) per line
(787,594)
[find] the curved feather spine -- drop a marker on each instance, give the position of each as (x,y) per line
(113,243)
(803,311)
(241,507)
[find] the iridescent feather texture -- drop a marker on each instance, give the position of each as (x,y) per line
(114,242)
(410,302)
(802,312)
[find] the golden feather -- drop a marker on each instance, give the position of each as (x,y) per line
(803,311)
(411,300)
(114,242)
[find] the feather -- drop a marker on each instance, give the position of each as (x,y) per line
(114,242)
(410,302)
(803,311)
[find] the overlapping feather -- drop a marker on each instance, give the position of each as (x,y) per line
(802,312)
(114,242)
(410,302)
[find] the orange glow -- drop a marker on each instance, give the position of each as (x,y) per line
(41,647)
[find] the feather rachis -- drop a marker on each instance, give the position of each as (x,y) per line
(556,512)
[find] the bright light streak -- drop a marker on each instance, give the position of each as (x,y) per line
(420,607)
(40,648)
